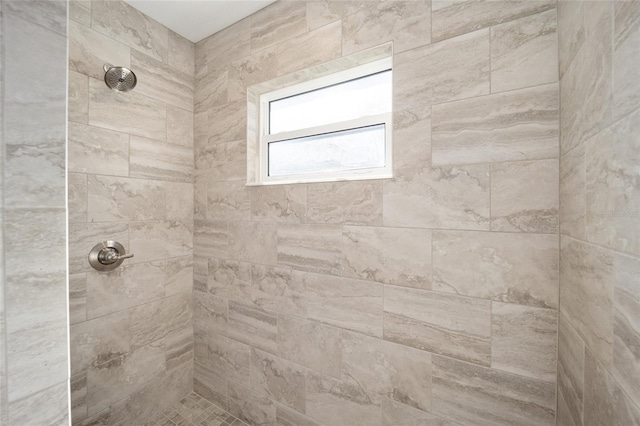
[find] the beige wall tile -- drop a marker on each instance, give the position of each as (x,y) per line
(599,406)
(253,242)
(78,98)
(211,238)
(77,298)
(289,417)
(524,196)
(229,358)
(524,340)
(228,122)
(506,267)
(210,90)
(322,12)
(524,52)
(112,199)
(626,412)
(245,72)
(412,138)
(178,275)
(210,313)
(350,203)
(469,394)
(397,414)
(224,46)
(48,406)
(399,256)
(228,201)
(210,385)
(160,240)
(310,248)
(309,49)
(153,321)
(613,186)
(406,23)
(89,51)
(100,151)
(450,325)
(77,197)
(278,22)
(448,197)
(570,372)
(78,396)
(253,326)
(229,279)
(178,349)
(310,344)
(179,201)
(249,406)
(179,126)
(278,379)
(345,303)
(571,32)
(279,203)
(511,126)
(181,53)
(223,162)
(573,193)
(626,54)
(80,11)
(453,18)
(158,160)
(442,72)
(279,289)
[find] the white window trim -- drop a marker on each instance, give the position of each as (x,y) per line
(264,138)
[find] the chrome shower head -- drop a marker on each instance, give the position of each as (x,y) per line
(119,78)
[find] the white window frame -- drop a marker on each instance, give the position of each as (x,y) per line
(265,138)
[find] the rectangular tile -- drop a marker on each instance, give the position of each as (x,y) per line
(160,240)
(517,125)
(48,406)
(100,151)
(112,199)
(570,372)
(153,321)
(211,238)
(454,326)
(249,406)
(311,248)
(78,396)
(253,326)
(524,196)
(77,197)
(157,160)
(289,417)
(626,93)
(89,51)
(524,340)
(253,242)
(260,66)
(309,49)
(227,122)
(573,193)
(349,203)
(599,388)
(341,302)
(279,203)
(397,414)
(279,289)
(506,267)
(210,314)
(309,343)
(178,347)
(228,358)
(398,256)
(412,138)
(277,22)
(180,201)
(78,97)
(228,201)
(447,197)
(77,298)
(178,275)
(181,53)
(469,394)
(277,379)
(180,126)
(210,385)
(229,279)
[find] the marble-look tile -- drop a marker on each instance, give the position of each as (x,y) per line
(178,275)
(506,267)
(229,279)
(77,197)
(160,240)
(586,92)
(228,201)
(211,238)
(210,313)
(210,385)
(158,160)
(112,199)
(626,411)
(47,407)
(587,277)
(131,113)
(253,326)
(125,287)
(412,138)
(89,51)
(250,406)
(280,380)
(310,344)
(387,370)
(153,321)
(613,186)
(451,18)
(524,196)
(228,122)
(225,161)
(200,273)
(78,397)
(469,394)
(441,72)
(599,406)
(310,248)
(179,201)
(345,303)
(78,97)
(181,53)
(179,126)
(288,417)
(454,326)
(279,203)
(199,199)
(48,14)
(313,48)
(253,242)
(626,93)
(399,256)
(277,22)
(626,325)
(100,151)
(348,203)
(573,193)
(563,416)
(99,341)
(77,298)
(570,372)
(229,358)
(524,52)
(224,47)
(279,289)
(210,90)
(83,236)
(338,403)
(449,197)
(178,347)
(162,82)
(406,23)
(245,72)
(524,340)
(397,414)
(571,32)
(126,24)
(80,11)
(511,126)
(128,373)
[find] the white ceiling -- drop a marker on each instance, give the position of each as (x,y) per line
(198,19)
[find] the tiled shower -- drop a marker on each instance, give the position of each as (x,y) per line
(495,280)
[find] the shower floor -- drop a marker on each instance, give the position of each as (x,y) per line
(194,410)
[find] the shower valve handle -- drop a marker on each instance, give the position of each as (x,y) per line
(108,255)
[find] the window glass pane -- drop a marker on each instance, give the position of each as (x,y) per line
(354,149)
(352,99)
